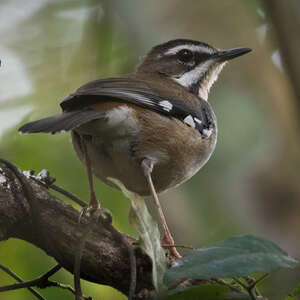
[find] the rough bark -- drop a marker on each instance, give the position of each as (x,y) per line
(55,230)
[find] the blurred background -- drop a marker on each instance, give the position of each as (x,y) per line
(251,184)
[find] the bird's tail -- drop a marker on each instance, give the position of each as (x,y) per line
(61,123)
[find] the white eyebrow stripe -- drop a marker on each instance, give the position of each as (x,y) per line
(193,48)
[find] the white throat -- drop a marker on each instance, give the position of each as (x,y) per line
(203,70)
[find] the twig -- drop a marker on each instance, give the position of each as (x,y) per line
(240,283)
(250,287)
(178,246)
(13,275)
(46,180)
(68,288)
(246,287)
(254,283)
(232,287)
(259,280)
(63,286)
(40,282)
(67,194)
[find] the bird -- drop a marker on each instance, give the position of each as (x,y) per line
(152,129)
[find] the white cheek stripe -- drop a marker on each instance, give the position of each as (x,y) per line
(194,48)
(208,82)
(188,78)
(191,77)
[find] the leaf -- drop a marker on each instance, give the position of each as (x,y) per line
(290,298)
(207,292)
(234,257)
(296,291)
(149,234)
(295,294)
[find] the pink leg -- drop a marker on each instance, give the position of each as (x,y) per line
(167,240)
(94,204)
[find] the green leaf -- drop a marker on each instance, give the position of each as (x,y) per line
(234,257)
(207,292)
(295,294)
(290,298)
(296,291)
(149,234)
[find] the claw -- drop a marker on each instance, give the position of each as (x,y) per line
(88,210)
(96,213)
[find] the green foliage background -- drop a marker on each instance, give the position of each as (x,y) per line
(53,47)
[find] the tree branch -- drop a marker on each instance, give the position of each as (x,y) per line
(105,259)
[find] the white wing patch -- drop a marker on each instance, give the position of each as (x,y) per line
(197,120)
(166,105)
(189,120)
(207,132)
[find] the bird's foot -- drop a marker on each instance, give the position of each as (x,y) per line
(87,210)
(95,213)
(168,242)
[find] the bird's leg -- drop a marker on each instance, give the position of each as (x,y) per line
(167,240)
(94,204)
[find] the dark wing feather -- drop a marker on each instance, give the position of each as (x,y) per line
(77,107)
(63,122)
(140,93)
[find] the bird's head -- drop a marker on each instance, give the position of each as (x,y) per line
(194,65)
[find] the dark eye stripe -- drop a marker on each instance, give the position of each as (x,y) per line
(199,57)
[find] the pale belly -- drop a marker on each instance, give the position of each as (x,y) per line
(177,150)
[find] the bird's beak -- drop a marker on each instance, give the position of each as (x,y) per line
(224,55)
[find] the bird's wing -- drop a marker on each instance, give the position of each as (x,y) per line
(78,107)
(143,94)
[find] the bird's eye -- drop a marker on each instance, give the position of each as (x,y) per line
(185,55)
